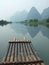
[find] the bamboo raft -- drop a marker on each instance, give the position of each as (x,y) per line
(21,52)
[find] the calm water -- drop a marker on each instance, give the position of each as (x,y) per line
(38,35)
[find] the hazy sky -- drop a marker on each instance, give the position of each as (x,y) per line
(9,7)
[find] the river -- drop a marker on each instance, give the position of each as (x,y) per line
(39,35)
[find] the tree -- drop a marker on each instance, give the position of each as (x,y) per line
(31,20)
(35,20)
(47,20)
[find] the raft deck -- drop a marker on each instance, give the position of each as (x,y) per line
(21,52)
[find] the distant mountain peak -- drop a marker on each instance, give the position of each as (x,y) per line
(33,8)
(45,13)
(33,14)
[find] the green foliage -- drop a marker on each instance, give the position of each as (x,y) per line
(35,20)
(31,20)
(4,22)
(47,20)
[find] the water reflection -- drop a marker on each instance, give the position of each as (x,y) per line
(33,30)
(21,31)
(4,24)
(47,26)
(38,34)
(45,31)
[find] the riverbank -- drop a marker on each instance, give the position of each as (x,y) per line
(3,22)
(34,23)
(38,23)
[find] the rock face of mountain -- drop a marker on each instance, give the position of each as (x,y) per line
(45,13)
(33,14)
(19,16)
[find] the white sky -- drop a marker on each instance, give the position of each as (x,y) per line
(9,7)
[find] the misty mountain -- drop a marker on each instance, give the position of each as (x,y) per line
(33,14)
(45,13)
(19,16)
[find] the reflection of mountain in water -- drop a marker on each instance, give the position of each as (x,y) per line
(20,30)
(34,30)
(45,31)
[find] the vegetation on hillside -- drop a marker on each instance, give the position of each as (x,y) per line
(36,22)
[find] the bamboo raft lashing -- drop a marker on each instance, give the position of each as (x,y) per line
(21,52)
